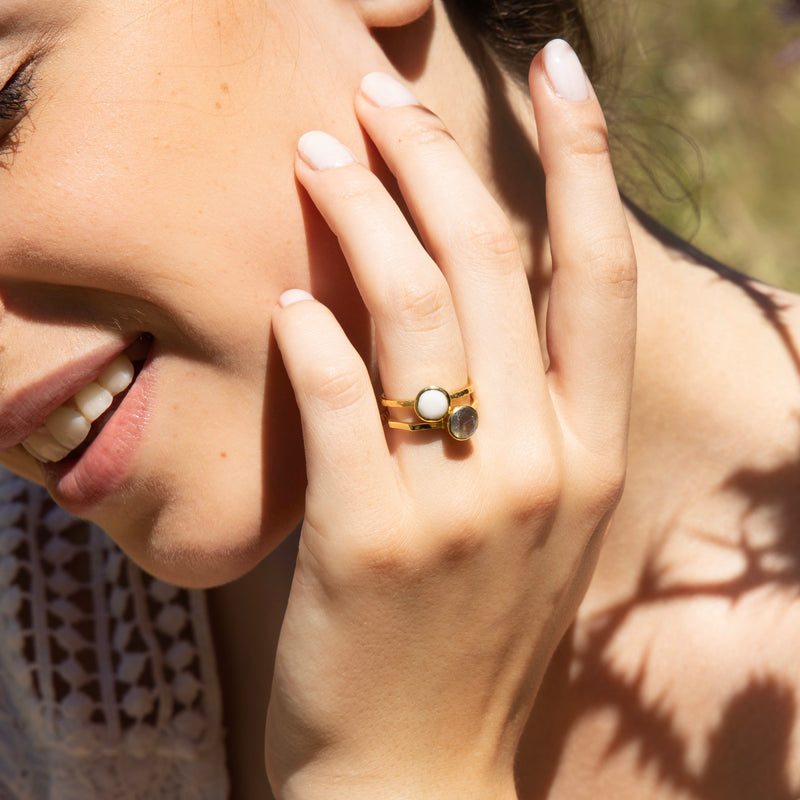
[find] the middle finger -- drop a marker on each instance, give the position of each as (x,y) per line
(417,333)
(474,244)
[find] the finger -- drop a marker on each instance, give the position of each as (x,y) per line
(417,333)
(347,461)
(472,241)
(591,321)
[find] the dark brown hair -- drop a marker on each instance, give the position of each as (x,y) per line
(515,30)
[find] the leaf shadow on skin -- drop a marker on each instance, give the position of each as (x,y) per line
(747,753)
(746,750)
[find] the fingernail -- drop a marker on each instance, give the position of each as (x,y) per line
(386,92)
(321,151)
(293,296)
(565,71)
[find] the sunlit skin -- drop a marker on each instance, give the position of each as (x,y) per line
(153,191)
(154,188)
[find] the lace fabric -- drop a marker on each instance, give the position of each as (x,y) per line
(108,686)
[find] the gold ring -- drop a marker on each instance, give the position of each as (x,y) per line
(435,410)
(431,403)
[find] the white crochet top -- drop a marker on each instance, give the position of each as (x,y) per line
(108,687)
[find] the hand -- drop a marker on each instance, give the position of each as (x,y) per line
(435,577)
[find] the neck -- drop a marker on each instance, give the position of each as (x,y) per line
(715,421)
(710,341)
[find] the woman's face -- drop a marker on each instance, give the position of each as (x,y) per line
(149,190)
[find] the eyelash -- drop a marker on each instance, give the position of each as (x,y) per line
(15,99)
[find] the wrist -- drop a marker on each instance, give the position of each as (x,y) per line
(388,778)
(333,785)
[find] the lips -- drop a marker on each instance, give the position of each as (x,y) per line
(69,424)
(100,466)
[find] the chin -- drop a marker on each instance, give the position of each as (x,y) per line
(199,545)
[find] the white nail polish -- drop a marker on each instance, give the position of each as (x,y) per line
(293,296)
(321,151)
(565,71)
(386,92)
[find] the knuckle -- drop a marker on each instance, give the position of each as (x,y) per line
(393,554)
(591,142)
(534,492)
(490,236)
(540,495)
(359,191)
(375,551)
(456,544)
(425,131)
(420,305)
(605,487)
(337,385)
(383,556)
(612,263)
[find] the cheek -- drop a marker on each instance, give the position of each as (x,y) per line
(162,168)
(140,192)
(160,203)
(201,240)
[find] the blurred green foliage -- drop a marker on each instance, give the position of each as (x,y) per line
(704,106)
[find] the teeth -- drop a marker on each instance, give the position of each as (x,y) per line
(93,400)
(118,376)
(68,426)
(43,446)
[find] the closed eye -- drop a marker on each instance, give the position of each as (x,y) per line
(15,100)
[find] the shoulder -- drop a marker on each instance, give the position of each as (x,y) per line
(684,685)
(679,679)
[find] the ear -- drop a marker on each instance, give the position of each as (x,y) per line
(391,13)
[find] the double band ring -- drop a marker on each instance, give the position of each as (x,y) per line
(436,410)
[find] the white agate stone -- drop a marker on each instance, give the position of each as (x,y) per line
(432,404)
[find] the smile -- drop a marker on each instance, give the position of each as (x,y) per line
(83,415)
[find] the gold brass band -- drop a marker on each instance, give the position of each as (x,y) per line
(438,425)
(436,411)
(413,426)
(387,403)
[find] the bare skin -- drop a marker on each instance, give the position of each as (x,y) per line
(678,679)
(704,430)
